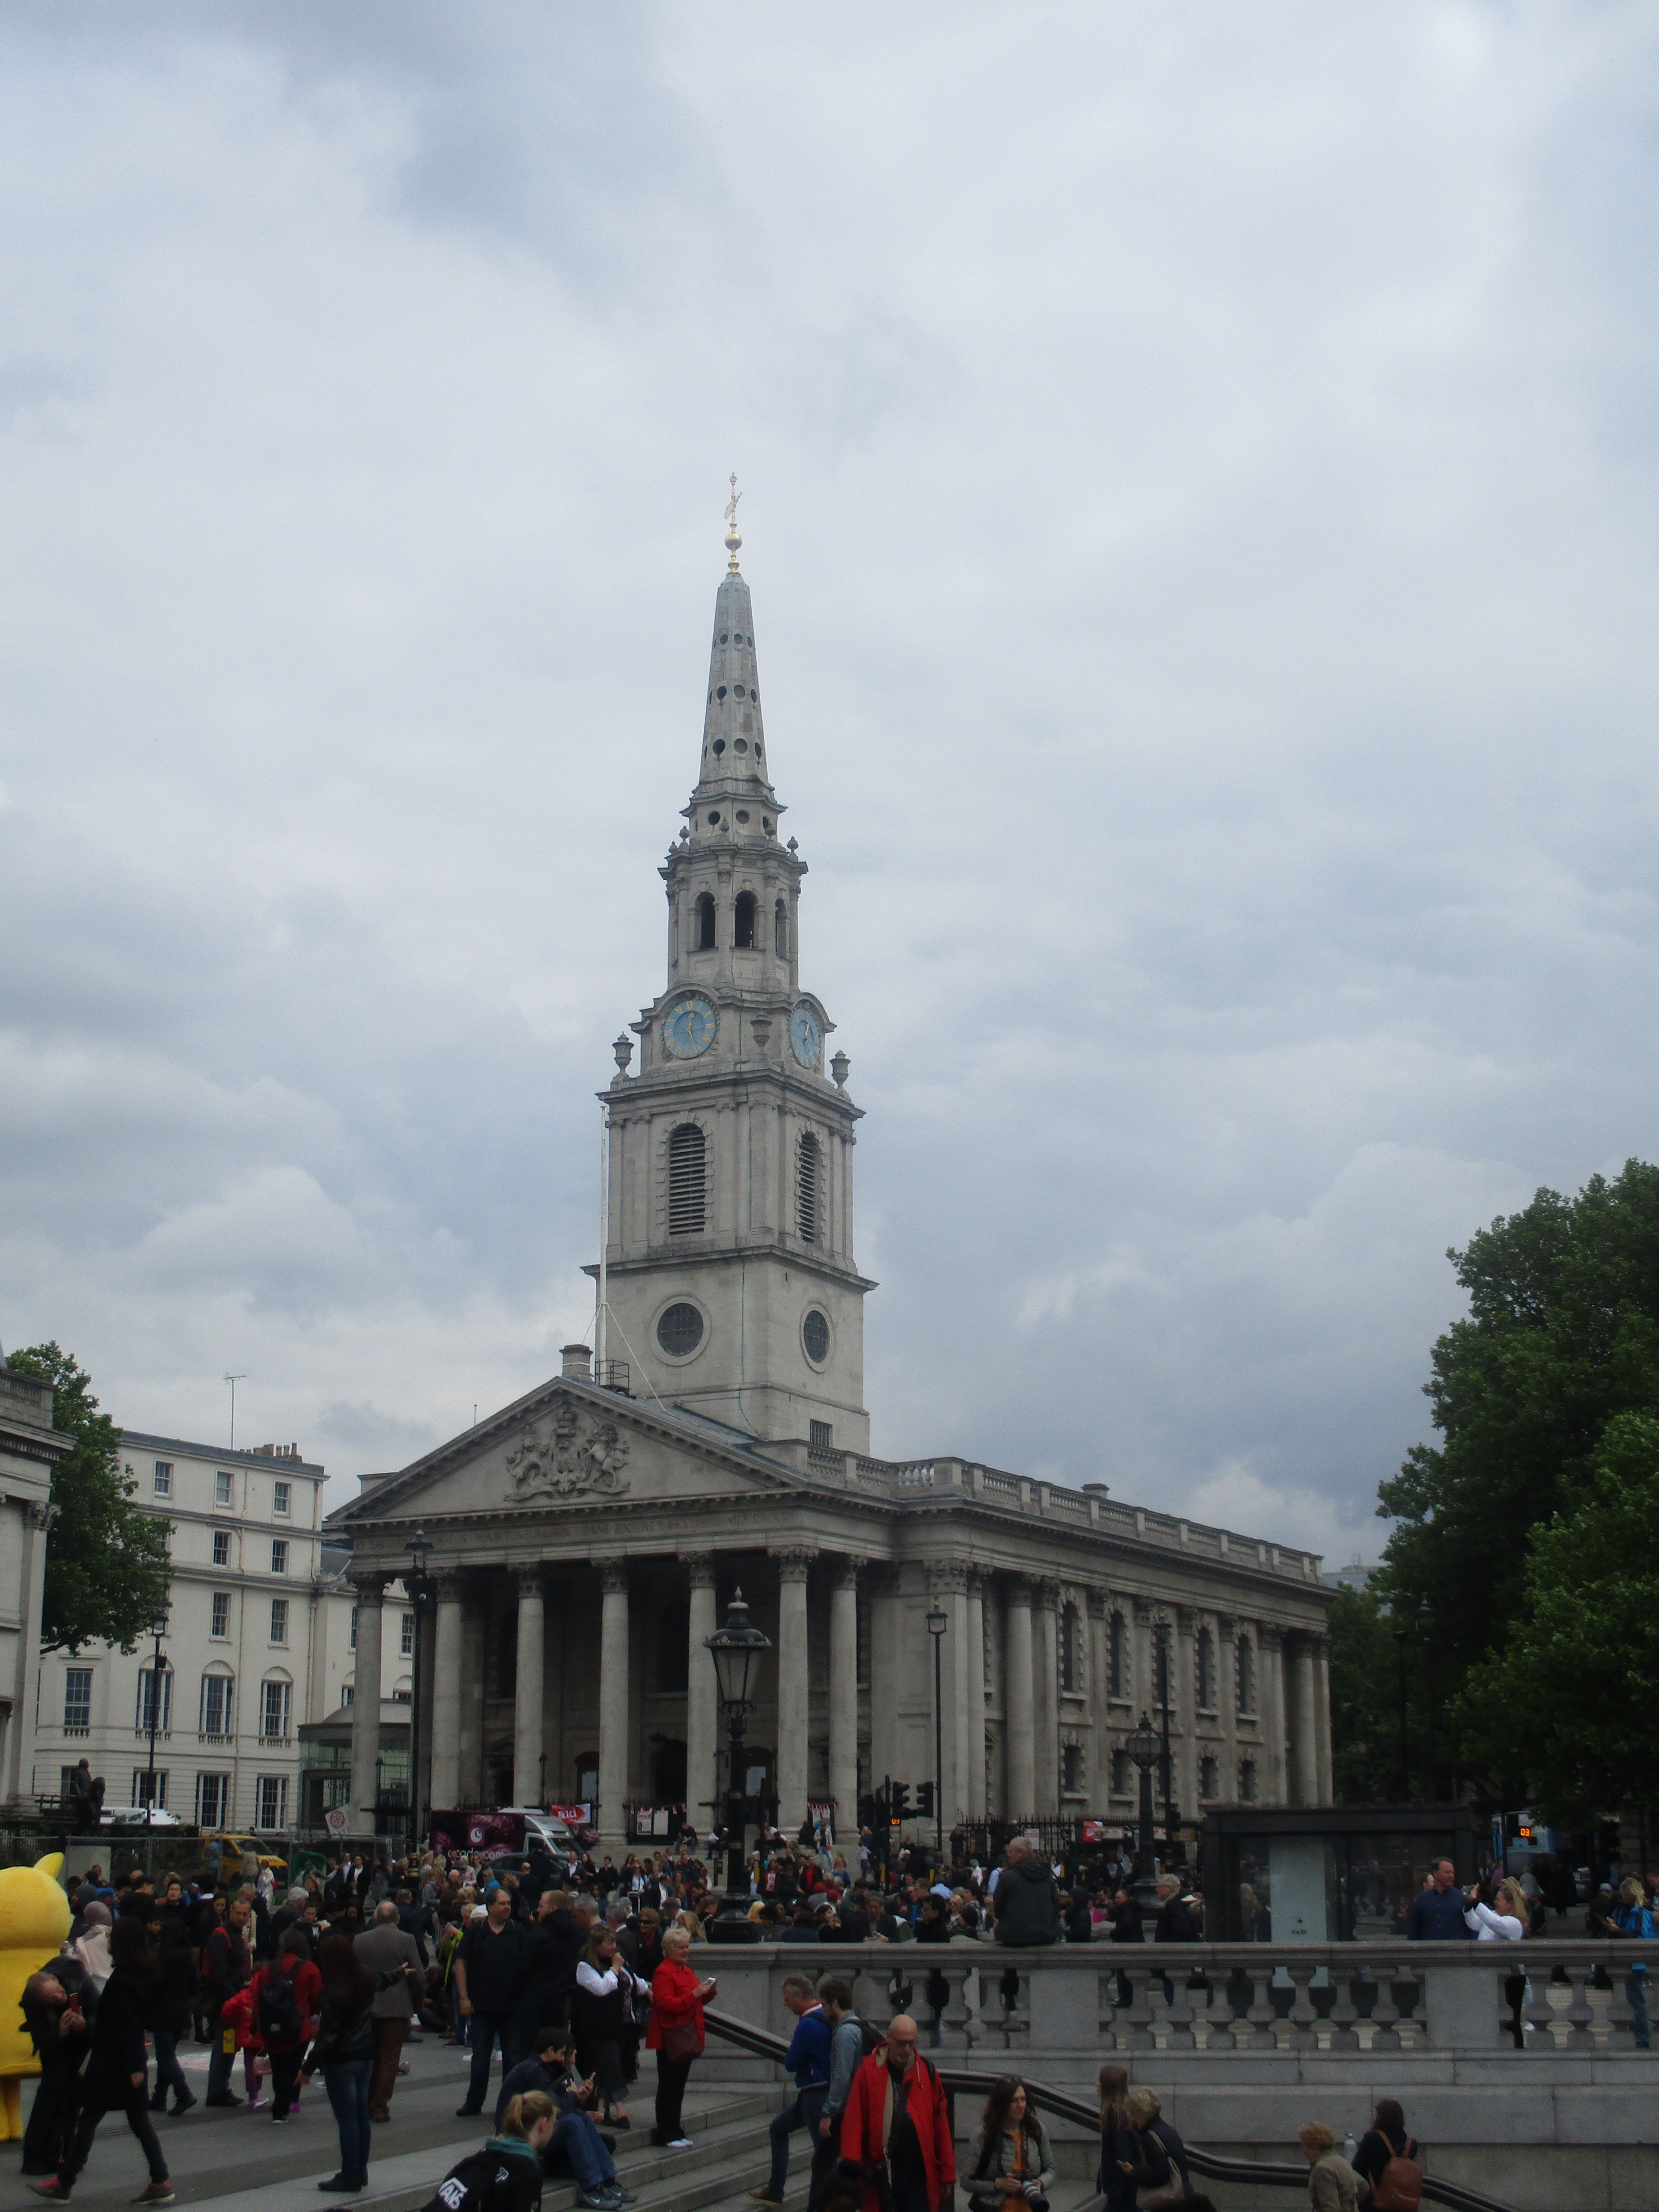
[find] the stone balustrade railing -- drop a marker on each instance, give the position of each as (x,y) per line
(1381,1998)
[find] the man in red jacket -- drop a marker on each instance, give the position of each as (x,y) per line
(895,2110)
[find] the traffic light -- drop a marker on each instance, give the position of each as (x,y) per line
(899,1807)
(924,1799)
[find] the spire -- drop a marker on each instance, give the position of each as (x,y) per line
(733,796)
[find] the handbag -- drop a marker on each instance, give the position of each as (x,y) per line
(683,2042)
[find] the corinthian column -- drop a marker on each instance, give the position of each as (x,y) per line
(1021,1720)
(366,1704)
(527,1690)
(976,1742)
(447,1695)
(794,1566)
(844,1699)
(701,1698)
(1046,1703)
(614,1707)
(1270,1701)
(1307,1724)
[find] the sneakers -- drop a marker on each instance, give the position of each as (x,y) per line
(342,2184)
(156,2192)
(764,2197)
(279,2119)
(53,2189)
(680,2142)
(593,2200)
(223,2097)
(468,2111)
(615,2194)
(184,2105)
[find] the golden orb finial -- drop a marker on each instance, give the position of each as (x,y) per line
(733,540)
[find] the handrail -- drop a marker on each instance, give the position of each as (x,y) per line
(762,2044)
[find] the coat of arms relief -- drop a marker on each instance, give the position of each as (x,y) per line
(571,1460)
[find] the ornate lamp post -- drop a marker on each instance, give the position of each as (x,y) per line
(938,1621)
(1163,1632)
(1143,1747)
(419,1548)
(158,1629)
(737,1649)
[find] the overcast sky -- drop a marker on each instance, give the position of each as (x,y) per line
(1198,497)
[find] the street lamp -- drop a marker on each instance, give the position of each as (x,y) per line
(1143,1747)
(158,1629)
(1165,1761)
(419,1548)
(737,1649)
(938,1621)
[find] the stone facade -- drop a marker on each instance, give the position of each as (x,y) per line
(586,1538)
(29,1447)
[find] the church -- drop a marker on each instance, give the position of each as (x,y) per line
(586,1540)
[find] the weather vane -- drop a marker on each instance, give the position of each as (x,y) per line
(733,540)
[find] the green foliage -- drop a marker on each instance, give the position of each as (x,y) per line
(1571,1703)
(1365,1727)
(108,1569)
(1561,1337)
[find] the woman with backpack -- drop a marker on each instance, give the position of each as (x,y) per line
(285,1995)
(1015,2166)
(1389,2162)
(505,2175)
(343,2047)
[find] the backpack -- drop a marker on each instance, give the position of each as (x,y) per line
(279,2015)
(1399,2187)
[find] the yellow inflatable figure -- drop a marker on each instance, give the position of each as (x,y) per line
(35,1918)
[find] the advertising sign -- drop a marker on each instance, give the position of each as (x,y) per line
(474,1832)
(574,1816)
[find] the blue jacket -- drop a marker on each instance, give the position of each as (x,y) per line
(808,2056)
(1435,1919)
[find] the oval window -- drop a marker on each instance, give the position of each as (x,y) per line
(680,1331)
(815,1335)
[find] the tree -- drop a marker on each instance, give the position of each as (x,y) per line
(1569,1702)
(108,1569)
(1562,1336)
(1364,1713)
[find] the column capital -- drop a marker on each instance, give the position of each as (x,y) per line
(613,1577)
(1270,1636)
(1227,1627)
(979,1581)
(1099,1602)
(370,1588)
(531,1580)
(1143,1607)
(450,1583)
(1186,1619)
(947,1575)
(1045,1592)
(700,1567)
(1021,1591)
(794,1563)
(846,1568)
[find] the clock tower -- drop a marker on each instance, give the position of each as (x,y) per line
(729,1284)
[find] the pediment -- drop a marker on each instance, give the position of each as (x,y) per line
(572,1447)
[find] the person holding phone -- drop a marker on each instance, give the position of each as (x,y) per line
(675,2033)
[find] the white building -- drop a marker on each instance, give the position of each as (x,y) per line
(260,1639)
(29,1446)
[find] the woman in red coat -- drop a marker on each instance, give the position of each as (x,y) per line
(895,2110)
(675,2033)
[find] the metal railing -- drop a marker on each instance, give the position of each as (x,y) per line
(1084,2113)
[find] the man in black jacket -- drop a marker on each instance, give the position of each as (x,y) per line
(1127,1927)
(489,1969)
(224,1971)
(1027,1900)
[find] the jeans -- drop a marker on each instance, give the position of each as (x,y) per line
(805,2113)
(347,2100)
(826,2155)
(582,2143)
(1636,1996)
(488,2028)
(169,2073)
(85,2127)
(221,2062)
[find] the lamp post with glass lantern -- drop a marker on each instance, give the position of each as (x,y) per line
(938,1621)
(419,1548)
(158,1629)
(737,1651)
(1143,1747)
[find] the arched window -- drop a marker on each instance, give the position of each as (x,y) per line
(807,1172)
(215,1716)
(704,935)
(1244,1670)
(276,1709)
(780,930)
(1206,1671)
(686,1194)
(1208,1772)
(1070,1650)
(743,927)
(145,1717)
(1118,1657)
(1071,1769)
(1122,1778)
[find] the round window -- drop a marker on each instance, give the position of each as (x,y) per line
(815,1335)
(680,1331)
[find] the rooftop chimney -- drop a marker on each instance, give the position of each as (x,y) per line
(578,1363)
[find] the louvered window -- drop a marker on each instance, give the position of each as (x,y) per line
(806,1188)
(685,1181)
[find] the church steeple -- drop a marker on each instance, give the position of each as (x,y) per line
(730,1281)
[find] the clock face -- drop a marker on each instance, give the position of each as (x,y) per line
(689,1029)
(805,1037)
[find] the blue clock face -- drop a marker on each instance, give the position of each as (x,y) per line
(806,1037)
(689,1029)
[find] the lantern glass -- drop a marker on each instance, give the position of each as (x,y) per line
(737,1650)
